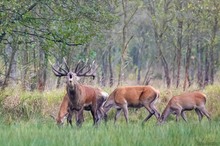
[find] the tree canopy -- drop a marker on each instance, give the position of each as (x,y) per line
(175,41)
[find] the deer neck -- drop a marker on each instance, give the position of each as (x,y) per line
(165,113)
(74,96)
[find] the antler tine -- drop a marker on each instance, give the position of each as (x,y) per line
(57,72)
(90,72)
(66,65)
(84,65)
(77,66)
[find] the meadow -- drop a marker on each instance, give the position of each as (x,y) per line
(25,121)
(37,134)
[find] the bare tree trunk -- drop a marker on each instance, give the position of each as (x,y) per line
(139,66)
(192,70)
(188,58)
(199,64)
(147,77)
(125,42)
(8,71)
(212,64)
(206,80)
(163,60)
(42,71)
(123,50)
(166,71)
(158,34)
(174,69)
(104,69)
(179,44)
(139,61)
(111,77)
(25,67)
(33,84)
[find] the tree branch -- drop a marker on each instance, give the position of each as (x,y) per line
(41,36)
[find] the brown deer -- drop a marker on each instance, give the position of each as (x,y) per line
(132,96)
(187,101)
(66,111)
(79,96)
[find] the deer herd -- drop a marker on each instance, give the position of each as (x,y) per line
(84,97)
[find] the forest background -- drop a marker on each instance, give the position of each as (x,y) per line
(171,42)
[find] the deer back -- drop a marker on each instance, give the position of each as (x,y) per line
(190,99)
(135,94)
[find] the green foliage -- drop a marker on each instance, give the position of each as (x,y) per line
(60,22)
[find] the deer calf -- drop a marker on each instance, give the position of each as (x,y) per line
(132,96)
(187,101)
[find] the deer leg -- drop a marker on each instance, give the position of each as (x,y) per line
(99,115)
(200,115)
(104,113)
(205,112)
(178,112)
(125,110)
(151,113)
(183,115)
(118,112)
(94,115)
(69,118)
(79,118)
(156,113)
(105,109)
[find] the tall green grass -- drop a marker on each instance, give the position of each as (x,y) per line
(25,121)
(38,134)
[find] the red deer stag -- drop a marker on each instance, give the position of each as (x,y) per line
(79,96)
(184,102)
(66,111)
(132,96)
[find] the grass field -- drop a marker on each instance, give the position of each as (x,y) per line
(35,133)
(25,121)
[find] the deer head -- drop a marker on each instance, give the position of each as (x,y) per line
(82,69)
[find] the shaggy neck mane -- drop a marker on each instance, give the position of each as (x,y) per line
(74,95)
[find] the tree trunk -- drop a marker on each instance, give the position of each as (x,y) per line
(8,71)
(25,67)
(200,64)
(212,45)
(111,77)
(42,71)
(188,58)
(179,44)
(206,80)
(139,66)
(33,84)
(158,41)
(104,69)
(123,49)
(174,69)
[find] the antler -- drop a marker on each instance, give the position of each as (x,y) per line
(60,71)
(86,70)
(79,67)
